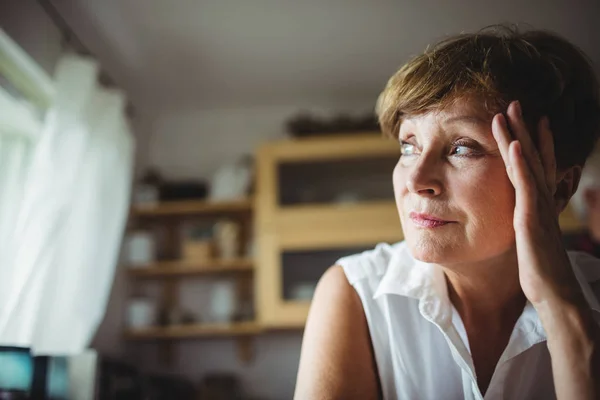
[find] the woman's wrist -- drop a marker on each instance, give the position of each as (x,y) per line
(573,343)
(569,323)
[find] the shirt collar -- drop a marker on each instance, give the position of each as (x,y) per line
(409,277)
(406,276)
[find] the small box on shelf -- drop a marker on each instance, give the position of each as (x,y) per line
(200,251)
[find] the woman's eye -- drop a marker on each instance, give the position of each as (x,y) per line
(407,149)
(462,151)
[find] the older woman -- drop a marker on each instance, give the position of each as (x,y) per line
(480,300)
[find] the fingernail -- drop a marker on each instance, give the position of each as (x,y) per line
(518,108)
(502,120)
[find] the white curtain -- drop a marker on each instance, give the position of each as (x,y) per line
(58,261)
(18,129)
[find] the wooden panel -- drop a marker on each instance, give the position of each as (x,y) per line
(173,208)
(267,189)
(268,281)
(268,293)
(180,268)
(194,330)
(333,148)
(327,226)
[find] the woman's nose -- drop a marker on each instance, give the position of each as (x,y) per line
(424,179)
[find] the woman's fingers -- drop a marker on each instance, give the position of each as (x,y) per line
(547,154)
(540,163)
(502,135)
(524,181)
(528,148)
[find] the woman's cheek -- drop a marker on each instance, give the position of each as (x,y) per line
(487,192)
(399,177)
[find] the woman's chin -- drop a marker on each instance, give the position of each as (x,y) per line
(431,252)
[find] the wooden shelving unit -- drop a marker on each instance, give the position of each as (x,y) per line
(183,208)
(168,217)
(208,330)
(174,269)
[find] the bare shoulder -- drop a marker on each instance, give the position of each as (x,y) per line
(336,359)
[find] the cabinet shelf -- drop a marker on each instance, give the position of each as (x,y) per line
(200,330)
(176,269)
(181,208)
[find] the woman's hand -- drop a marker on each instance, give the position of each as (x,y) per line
(545,272)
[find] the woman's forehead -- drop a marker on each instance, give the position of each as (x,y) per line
(461,111)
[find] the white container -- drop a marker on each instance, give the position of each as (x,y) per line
(227,237)
(139,249)
(141,313)
(145,195)
(223,302)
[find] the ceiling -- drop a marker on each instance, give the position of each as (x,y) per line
(238,53)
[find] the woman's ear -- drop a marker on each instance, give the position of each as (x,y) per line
(567,182)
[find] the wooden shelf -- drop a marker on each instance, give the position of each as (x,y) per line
(175,269)
(195,331)
(175,208)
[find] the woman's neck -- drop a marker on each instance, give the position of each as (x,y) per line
(489,300)
(487,292)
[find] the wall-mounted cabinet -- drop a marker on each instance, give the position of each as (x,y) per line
(318,200)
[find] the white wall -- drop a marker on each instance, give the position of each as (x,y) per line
(194,143)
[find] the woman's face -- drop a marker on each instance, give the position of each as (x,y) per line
(453,195)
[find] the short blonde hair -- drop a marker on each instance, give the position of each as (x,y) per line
(547,74)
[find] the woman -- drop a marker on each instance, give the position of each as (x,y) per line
(480,300)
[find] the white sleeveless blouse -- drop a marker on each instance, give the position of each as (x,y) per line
(419,341)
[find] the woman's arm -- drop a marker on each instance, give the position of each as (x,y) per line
(573,342)
(336,360)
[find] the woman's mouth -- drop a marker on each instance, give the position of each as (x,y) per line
(427,221)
